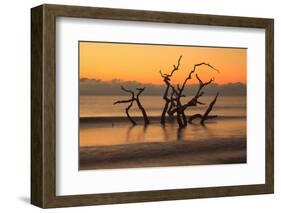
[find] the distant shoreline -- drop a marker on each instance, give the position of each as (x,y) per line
(96,87)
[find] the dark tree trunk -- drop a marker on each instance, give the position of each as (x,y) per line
(184,119)
(131,101)
(171,106)
(179,120)
(128,115)
(179,114)
(167,80)
(145,118)
(163,116)
(205,116)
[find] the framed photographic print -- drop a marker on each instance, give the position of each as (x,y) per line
(137,106)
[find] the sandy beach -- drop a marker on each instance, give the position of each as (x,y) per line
(163,154)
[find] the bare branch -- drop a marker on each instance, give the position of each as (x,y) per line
(131,101)
(178,87)
(175,67)
(206,83)
(206,64)
(192,71)
(194,101)
(145,117)
(140,90)
(173,103)
(204,117)
(200,81)
(128,115)
(127,90)
(195,116)
(123,101)
(175,91)
(162,75)
(167,79)
(201,103)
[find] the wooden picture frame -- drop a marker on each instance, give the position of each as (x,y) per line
(43,105)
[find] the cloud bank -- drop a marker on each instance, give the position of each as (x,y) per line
(112,88)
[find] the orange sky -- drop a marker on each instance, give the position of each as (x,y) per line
(141,62)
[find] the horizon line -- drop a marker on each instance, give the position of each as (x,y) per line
(125,81)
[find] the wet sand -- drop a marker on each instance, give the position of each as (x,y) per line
(182,153)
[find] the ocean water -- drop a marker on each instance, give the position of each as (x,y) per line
(230,124)
(102,106)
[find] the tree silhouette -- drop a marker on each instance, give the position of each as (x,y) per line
(145,118)
(169,101)
(177,107)
(173,98)
(134,97)
(130,101)
(206,114)
(209,109)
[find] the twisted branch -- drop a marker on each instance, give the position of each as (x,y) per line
(178,91)
(167,78)
(131,101)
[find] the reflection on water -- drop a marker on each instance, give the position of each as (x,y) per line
(120,133)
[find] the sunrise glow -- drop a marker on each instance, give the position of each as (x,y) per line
(142,62)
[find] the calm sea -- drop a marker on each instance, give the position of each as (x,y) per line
(102,106)
(231,123)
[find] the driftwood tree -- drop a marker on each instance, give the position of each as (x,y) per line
(173,98)
(194,101)
(206,115)
(174,103)
(134,98)
(209,109)
(144,115)
(169,100)
(130,101)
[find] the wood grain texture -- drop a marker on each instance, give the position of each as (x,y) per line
(43,105)
(269,118)
(36,106)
